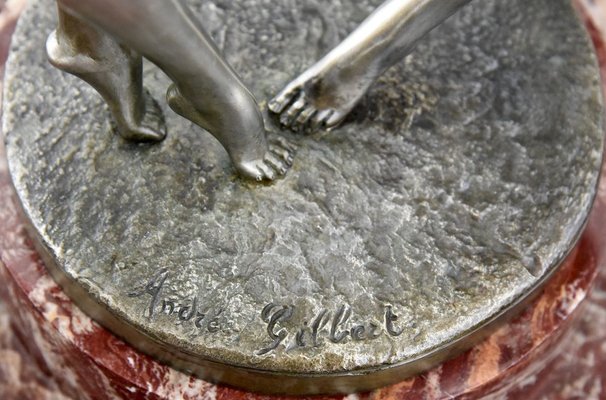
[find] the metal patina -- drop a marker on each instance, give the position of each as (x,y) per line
(450,194)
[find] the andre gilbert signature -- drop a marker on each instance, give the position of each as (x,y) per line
(335,326)
(182,313)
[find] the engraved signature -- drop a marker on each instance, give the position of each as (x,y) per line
(186,312)
(333,326)
(336,326)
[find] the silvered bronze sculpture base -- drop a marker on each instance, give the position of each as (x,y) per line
(448,197)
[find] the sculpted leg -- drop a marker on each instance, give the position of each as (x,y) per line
(206,90)
(113,70)
(324,94)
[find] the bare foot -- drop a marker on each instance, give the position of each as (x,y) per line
(137,115)
(241,133)
(322,96)
(149,128)
(276,162)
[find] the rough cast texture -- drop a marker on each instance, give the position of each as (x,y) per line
(458,184)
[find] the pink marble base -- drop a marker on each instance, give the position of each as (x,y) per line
(50,350)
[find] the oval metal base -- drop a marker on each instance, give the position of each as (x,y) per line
(450,195)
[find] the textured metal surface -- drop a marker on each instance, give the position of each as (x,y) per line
(454,189)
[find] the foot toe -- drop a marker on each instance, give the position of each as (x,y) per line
(141,134)
(152,128)
(335,119)
(250,170)
(154,117)
(319,120)
(152,135)
(305,116)
(268,171)
(290,115)
(283,99)
(276,163)
(280,152)
(283,143)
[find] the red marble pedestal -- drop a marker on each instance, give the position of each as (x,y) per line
(50,350)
